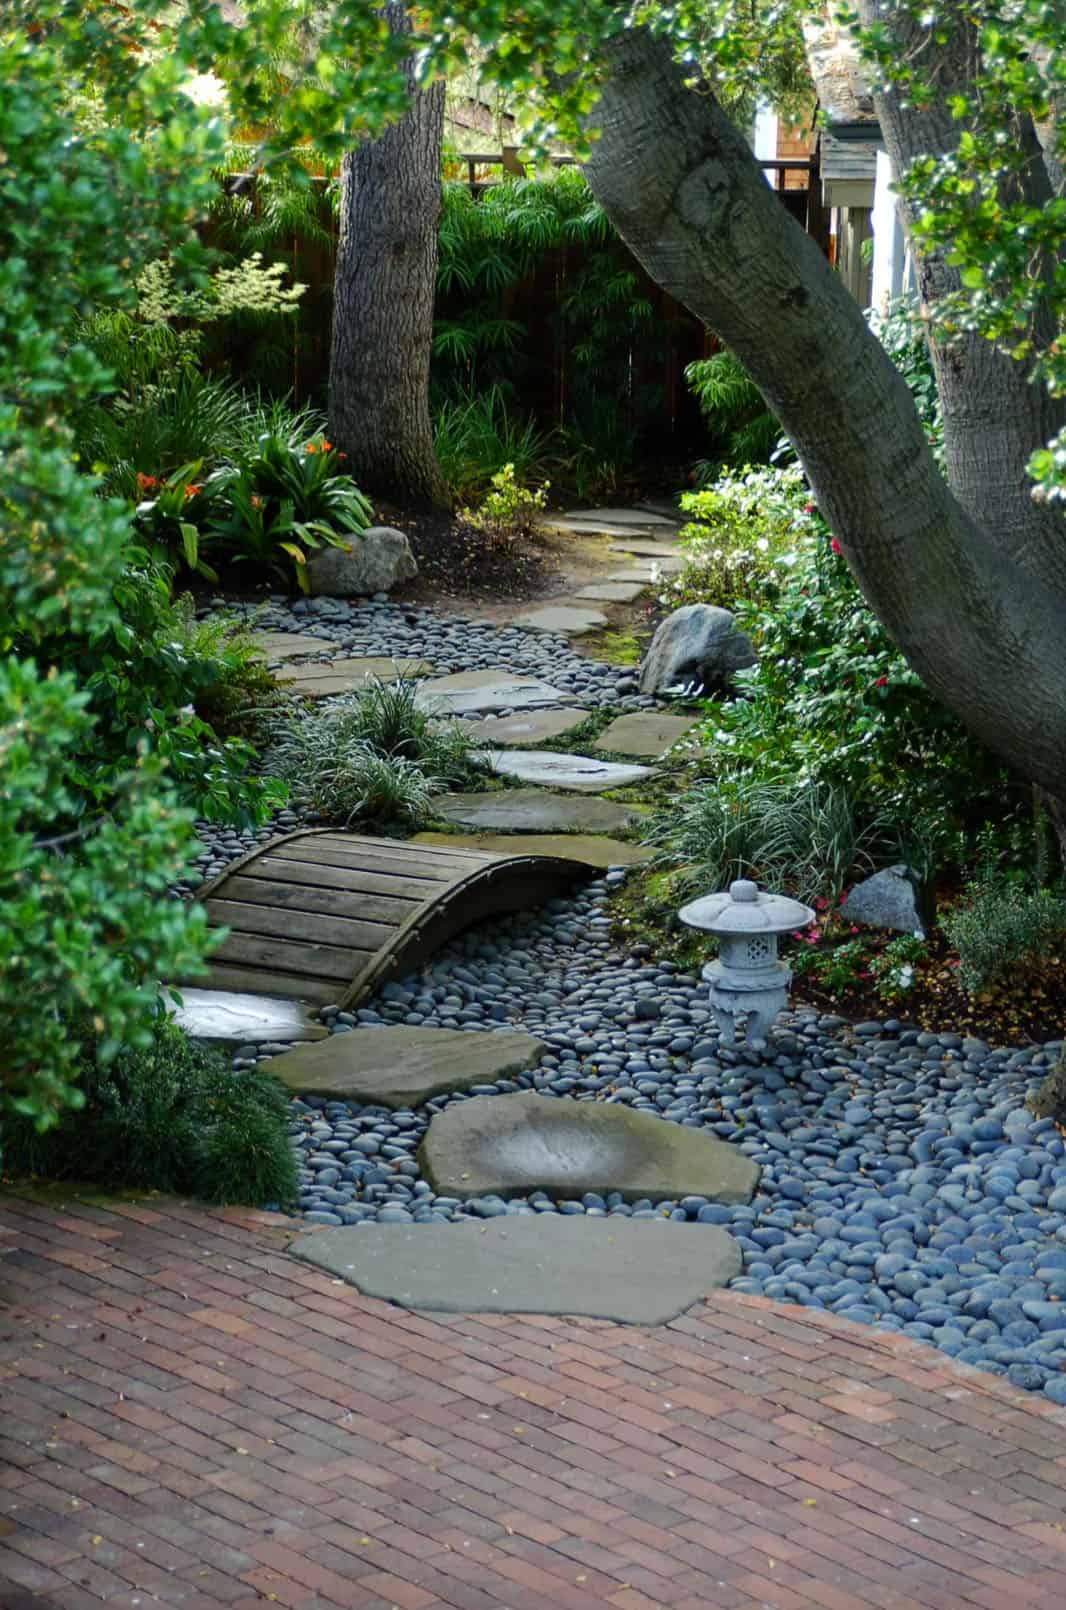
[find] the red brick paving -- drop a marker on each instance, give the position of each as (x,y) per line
(192,1418)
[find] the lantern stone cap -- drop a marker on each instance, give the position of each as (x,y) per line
(745,909)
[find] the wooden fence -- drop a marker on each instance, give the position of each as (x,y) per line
(656,404)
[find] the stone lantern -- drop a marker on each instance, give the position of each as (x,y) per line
(747,980)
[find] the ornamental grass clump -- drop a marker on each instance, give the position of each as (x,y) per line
(378,759)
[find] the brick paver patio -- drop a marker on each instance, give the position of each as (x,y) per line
(192,1418)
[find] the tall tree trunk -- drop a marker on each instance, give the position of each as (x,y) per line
(985,630)
(994,416)
(384,289)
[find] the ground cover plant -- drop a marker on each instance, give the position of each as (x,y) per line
(170,1116)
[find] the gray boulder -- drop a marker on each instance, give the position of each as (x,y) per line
(894,898)
(374,563)
(698,643)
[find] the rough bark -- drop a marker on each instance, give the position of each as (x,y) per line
(384,289)
(682,188)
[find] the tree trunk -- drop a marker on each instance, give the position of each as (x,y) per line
(984,630)
(994,416)
(384,289)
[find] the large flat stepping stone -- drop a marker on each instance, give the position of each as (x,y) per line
(630,1271)
(403,1067)
(648,548)
(511,1145)
(534,726)
(643,516)
(468,691)
(534,810)
(348,675)
(276,646)
(552,770)
(645,732)
(235,1019)
(612,592)
(592,849)
(565,618)
(648,570)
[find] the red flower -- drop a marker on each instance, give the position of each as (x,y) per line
(147,483)
(882,682)
(835,545)
(809,508)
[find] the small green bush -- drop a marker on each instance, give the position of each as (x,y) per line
(999,924)
(171,1117)
(510,510)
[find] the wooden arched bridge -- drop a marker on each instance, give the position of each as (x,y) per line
(326,917)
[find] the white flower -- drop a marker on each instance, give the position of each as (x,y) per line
(762,545)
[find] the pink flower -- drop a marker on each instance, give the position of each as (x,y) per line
(809,508)
(835,545)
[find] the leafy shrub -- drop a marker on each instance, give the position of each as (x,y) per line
(509,510)
(170,1116)
(832,701)
(379,758)
(738,533)
(999,924)
(283,498)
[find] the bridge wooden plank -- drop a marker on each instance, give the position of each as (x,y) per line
(295,956)
(320,852)
(389,911)
(244,980)
(282,923)
(317,876)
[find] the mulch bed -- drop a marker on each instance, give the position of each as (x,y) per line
(458,561)
(1026,1008)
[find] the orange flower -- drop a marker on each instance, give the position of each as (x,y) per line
(147,483)
(312,447)
(257,502)
(192,490)
(327,447)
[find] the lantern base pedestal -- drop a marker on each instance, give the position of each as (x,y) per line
(758,1003)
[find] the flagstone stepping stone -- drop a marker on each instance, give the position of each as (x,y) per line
(565,771)
(643,516)
(348,675)
(592,849)
(511,1145)
(402,1067)
(648,573)
(562,618)
(647,547)
(629,1271)
(612,592)
(291,645)
(644,732)
(534,726)
(468,691)
(234,1019)
(535,810)
(600,528)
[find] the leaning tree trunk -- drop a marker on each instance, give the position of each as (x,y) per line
(983,621)
(384,289)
